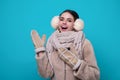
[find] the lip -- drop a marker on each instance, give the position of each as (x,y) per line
(64,28)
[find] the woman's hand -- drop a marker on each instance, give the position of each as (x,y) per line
(37,41)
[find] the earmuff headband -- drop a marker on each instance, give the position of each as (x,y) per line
(78,24)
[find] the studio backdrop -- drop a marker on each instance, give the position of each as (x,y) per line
(19,17)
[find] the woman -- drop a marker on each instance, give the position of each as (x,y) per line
(68,54)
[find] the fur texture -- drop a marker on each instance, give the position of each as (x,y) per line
(78,24)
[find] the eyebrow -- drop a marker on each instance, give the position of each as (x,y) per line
(67,18)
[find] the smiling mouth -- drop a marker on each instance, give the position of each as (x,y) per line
(64,28)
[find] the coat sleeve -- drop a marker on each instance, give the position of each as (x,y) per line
(44,66)
(88,70)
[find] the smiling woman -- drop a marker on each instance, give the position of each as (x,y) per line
(68,54)
(68,20)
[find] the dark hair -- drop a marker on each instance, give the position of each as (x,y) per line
(72,12)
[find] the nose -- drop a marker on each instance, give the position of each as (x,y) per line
(64,22)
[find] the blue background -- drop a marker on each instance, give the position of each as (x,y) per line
(19,17)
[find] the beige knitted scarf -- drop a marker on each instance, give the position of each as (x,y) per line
(64,40)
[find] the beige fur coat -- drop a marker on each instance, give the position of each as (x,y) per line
(59,70)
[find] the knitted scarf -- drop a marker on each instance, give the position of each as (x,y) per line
(64,40)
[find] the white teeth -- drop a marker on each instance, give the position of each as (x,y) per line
(64,26)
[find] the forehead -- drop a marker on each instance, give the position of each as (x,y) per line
(67,15)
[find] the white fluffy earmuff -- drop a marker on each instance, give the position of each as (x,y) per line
(78,24)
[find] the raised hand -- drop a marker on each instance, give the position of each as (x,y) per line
(37,41)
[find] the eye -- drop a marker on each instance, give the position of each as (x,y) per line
(61,18)
(69,20)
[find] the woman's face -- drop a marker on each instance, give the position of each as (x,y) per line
(66,22)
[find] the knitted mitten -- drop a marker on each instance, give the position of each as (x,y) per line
(37,41)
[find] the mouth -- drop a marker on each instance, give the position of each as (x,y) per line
(64,28)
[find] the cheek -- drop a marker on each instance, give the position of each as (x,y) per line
(71,26)
(59,23)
